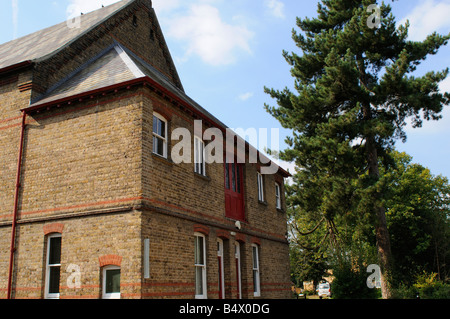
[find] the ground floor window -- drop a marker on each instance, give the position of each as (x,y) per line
(237,257)
(220,256)
(256,277)
(53,266)
(200,267)
(111,282)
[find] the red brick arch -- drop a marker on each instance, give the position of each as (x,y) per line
(201,229)
(110,260)
(53,228)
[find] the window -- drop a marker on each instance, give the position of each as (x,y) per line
(111,282)
(220,256)
(199,156)
(237,258)
(159,135)
(278,195)
(234,191)
(200,267)
(53,264)
(256,282)
(260,187)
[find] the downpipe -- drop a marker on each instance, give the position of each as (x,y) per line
(16,205)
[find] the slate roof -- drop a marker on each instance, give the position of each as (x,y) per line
(104,70)
(40,44)
(115,65)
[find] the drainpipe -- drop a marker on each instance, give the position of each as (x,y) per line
(16,205)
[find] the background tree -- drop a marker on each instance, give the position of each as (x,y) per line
(418,211)
(354,93)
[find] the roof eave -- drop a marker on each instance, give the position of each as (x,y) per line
(16,67)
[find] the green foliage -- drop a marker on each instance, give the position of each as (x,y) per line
(354,92)
(418,210)
(425,287)
(351,284)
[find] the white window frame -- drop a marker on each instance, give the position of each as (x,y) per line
(199,156)
(157,136)
(237,256)
(260,187)
(201,266)
(278,195)
(114,295)
(220,256)
(256,271)
(48,266)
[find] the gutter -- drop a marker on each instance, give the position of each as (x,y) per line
(16,205)
(15,67)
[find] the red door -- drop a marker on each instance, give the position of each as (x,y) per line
(234,197)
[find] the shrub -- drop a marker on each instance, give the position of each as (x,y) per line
(351,284)
(426,286)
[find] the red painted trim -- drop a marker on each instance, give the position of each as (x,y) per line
(80,97)
(16,66)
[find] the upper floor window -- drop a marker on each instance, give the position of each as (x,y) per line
(234,191)
(260,187)
(159,135)
(199,156)
(278,195)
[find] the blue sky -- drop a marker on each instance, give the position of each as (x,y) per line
(226,51)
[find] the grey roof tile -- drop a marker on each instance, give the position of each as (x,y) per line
(42,43)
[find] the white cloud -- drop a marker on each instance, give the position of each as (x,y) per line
(427,17)
(435,127)
(444,86)
(245,96)
(161,6)
(276,8)
(15,17)
(205,34)
(86,6)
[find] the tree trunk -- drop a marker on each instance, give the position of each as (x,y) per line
(382,233)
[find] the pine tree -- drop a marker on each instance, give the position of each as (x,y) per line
(354,94)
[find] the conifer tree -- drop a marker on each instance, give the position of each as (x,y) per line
(355,91)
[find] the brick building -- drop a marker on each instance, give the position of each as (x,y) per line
(92,202)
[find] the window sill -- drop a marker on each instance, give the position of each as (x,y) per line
(263,202)
(162,159)
(205,178)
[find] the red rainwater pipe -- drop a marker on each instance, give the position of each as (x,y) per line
(16,205)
